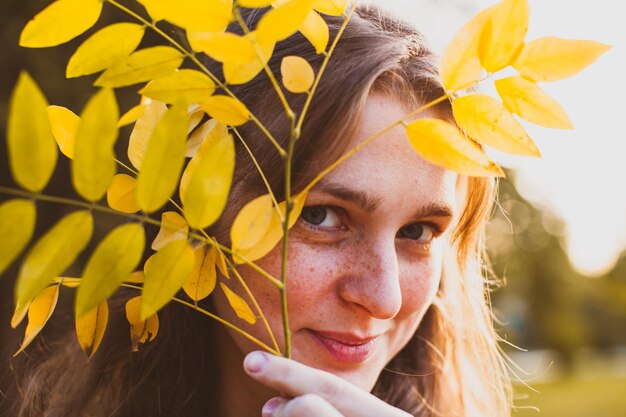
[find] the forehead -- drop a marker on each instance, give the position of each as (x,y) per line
(388,167)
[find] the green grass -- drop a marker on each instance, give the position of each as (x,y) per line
(599,397)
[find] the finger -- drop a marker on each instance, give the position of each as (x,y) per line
(307,405)
(295,379)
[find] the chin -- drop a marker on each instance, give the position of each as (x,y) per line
(364,379)
(364,375)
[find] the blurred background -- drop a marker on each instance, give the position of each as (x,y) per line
(557,241)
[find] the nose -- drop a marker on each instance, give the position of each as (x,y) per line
(373,282)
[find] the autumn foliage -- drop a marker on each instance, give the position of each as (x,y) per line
(182,146)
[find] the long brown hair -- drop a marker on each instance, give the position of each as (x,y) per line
(451,366)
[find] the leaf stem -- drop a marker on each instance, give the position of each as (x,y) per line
(266,68)
(283,265)
(327,56)
(200,65)
(129,169)
(258,167)
(246,261)
(250,295)
(371,138)
(256,305)
(139,218)
(217,318)
(83,204)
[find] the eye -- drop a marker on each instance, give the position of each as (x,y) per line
(421,232)
(321,216)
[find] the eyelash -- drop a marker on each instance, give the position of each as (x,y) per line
(435,228)
(338,212)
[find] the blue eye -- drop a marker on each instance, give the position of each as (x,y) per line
(418,231)
(321,216)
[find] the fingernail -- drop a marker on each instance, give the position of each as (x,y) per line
(270,407)
(255,362)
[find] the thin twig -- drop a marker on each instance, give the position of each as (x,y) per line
(215,317)
(250,296)
(370,139)
(200,65)
(327,56)
(258,167)
(266,68)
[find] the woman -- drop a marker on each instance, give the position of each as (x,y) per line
(386,298)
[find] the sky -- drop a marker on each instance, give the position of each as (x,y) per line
(581,176)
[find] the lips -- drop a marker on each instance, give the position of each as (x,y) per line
(344,347)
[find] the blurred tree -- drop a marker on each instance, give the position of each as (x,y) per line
(545,303)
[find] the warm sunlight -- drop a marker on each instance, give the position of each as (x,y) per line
(581,174)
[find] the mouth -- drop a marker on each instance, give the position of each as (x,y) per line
(344,347)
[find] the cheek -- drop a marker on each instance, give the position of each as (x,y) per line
(420,282)
(308,273)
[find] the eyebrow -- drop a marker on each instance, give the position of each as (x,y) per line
(371,203)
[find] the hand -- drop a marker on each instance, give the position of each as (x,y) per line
(311,392)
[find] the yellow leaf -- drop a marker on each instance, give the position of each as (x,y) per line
(111,263)
(141,331)
(90,328)
(184,86)
(64,124)
(132,115)
(298,205)
(223,47)
(503,36)
(203,276)
(254,4)
(251,223)
(270,239)
(206,181)
(143,129)
(199,136)
(143,65)
(553,59)
(104,48)
(165,275)
(488,122)
(146,265)
(60,22)
(531,103)
(17,224)
(274,232)
(163,161)
(68,282)
(221,260)
(18,315)
(330,7)
(283,21)
(195,115)
(137,277)
(460,66)
(121,194)
(52,254)
(31,147)
(39,312)
(297,74)
(93,166)
(240,72)
(315,29)
(226,110)
(239,305)
(204,15)
(442,144)
(173,227)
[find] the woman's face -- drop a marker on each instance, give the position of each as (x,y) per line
(365,257)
